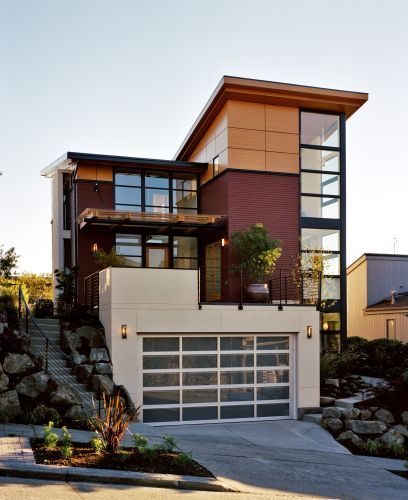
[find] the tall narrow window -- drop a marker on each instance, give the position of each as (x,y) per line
(391,333)
(216,166)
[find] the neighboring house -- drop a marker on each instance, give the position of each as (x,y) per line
(377,294)
(181,340)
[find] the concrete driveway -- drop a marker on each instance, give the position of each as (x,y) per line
(287,458)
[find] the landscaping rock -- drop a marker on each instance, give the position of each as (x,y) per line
(9,403)
(94,338)
(350,413)
(332,381)
(99,354)
(404,416)
(103,384)
(373,409)
(332,411)
(17,363)
(4,381)
(33,385)
(103,369)
(83,372)
(350,436)
(368,426)
(44,414)
(76,414)
(71,340)
(365,414)
(392,437)
(401,430)
(385,416)
(64,396)
(334,424)
(78,359)
(324,400)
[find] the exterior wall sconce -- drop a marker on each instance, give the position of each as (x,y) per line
(124,331)
(325,326)
(309,331)
(223,242)
(95,247)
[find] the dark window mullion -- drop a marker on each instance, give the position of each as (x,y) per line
(314,195)
(320,148)
(143,196)
(171,204)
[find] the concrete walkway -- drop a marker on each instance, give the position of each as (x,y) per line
(290,458)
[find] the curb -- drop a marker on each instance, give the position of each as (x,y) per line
(107,476)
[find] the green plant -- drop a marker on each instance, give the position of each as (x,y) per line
(327,365)
(372,447)
(44,308)
(111,428)
(255,251)
(4,417)
(168,443)
(97,445)
(8,261)
(140,443)
(184,459)
(50,437)
(108,259)
(66,281)
(398,450)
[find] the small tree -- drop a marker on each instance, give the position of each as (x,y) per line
(66,282)
(256,252)
(8,261)
(108,259)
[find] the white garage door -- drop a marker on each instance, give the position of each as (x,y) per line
(206,378)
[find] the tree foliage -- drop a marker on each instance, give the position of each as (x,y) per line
(8,261)
(108,259)
(66,282)
(255,251)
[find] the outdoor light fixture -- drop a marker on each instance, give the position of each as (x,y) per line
(309,331)
(124,331)
(325,325)
(95,247)
(223,242)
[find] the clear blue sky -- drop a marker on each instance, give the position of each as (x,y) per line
(129,77)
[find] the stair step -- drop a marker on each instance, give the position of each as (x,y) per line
(314,418)
(47,321)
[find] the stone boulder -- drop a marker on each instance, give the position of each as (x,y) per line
(4,380)
(71,341)
(75,414)
(99,354)
(350,413)
(93,337)
(102,385)
(64,396)
(404,416)
(9,403)
(368,426)
(16,341)
(78,359)
(103,369)
(365,414)
(335,424)
(350,436)
(392,437)
(325,400)
(332,381)
(33,385)
(385,416)
(83,372)
(17,364)
(401,430)
(332,411)
(44,414)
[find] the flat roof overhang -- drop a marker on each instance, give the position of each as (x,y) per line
(118,218)
(266,92)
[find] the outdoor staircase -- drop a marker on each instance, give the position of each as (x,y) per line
(58,362)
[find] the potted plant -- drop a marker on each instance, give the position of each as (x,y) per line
(256,253)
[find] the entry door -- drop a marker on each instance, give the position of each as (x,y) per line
(213,271)
(157,256)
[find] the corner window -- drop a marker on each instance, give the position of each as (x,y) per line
(320,129)
(216,166)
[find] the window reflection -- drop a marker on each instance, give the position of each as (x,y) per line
(319,129)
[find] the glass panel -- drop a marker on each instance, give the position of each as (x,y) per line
(273,410)
(185,246)
(330,322)
(237,378)
(318,159)
(157,239)
(157,180)
(200,396)
(272,376)
(129,245)
(161,397)
(157,257)
(326,184)
(331,262)
(272,343)
(132,261)
(201,378)
(157,198)
(184,202)
(326,208)
(200,361)
(321,239)
(272,359)
(185,182)
(199,343)
(157,210)
(264,393)
(330,341)
(161,415)
(160,362)
(201,413)
(127,179)
(127,195)
(244,394)
(185,263)
(128,208)
(330,288)
(237,343)
(320,129)
(243,411)
(152,344)
(161,379)
(236,360)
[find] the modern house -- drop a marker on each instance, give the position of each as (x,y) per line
(182,336)
(377,292)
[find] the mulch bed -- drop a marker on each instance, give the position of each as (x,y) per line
(126,459)
(401,473)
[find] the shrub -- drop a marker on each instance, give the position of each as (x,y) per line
(168,443)
(398,450)
(50,437)
(44,308)
(140,443)
(184,459)
(372,447)
(97,445)
(65,443)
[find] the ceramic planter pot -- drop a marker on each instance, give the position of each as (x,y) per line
(258,292)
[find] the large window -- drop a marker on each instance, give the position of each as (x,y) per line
(130,247)
(157,192)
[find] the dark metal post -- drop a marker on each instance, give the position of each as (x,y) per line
(199,288)
(240,307)
(280,308)
(46,355)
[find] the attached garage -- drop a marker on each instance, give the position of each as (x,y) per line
(208,378)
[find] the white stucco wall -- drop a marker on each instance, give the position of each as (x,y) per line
(165,301)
